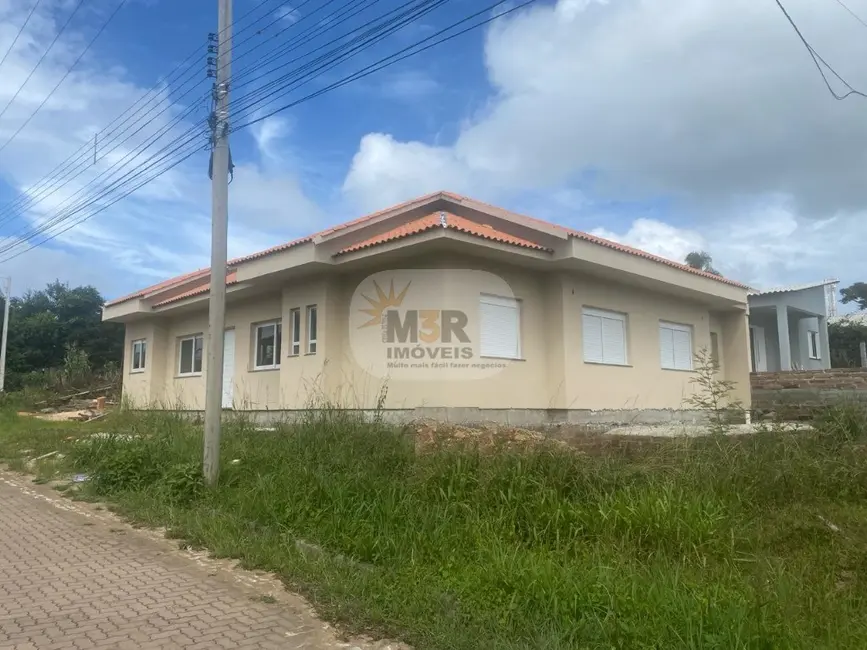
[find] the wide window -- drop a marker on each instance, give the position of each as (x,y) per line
(190,355)
(311,329)
(268,340)
(675,346)
(139,354)
(295,332)
(500,327)
(813,344)
(604,334)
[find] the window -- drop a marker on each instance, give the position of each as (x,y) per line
(268,339)
(604,334)
(714,349)
(190,356)
(675,346)
(139,355)
(500,327)
(813,344)
(295,331)
(311,329)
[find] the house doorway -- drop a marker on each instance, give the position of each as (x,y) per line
(758,355)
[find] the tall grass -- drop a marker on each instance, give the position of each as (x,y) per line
(702,543)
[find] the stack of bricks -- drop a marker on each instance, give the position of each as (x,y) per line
(797,394)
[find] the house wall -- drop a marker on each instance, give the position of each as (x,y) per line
(799,304)
(551,375)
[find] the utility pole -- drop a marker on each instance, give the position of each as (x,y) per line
(7,296)
(219,236)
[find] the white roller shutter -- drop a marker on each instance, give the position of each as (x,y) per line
(500,327)
(675,346)
(604,334)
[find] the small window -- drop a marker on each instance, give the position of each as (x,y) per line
(500,327)
(714,349)
(190,355)
(675,346)
(813,344)
(311,329)
(604,334)
(295,331)
(268,340)
(139,355)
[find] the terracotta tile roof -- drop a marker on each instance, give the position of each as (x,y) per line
(578,234)
(231,278)
(649,256)
(458,223)
(443,220)
(161,286)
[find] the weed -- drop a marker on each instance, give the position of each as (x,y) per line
(714,542)
(713,394)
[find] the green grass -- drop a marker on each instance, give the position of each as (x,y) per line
(704,543)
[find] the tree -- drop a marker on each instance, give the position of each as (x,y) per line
(702,261)
(844,340)
(856,293)
(44,324)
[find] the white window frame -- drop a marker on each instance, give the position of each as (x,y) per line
(312,339)
(278,341)
(294,332)
(605,315)
(676,327)
(813,346)
(142,344)
(193,372)
(502,301)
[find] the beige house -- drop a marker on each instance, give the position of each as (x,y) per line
(446,307)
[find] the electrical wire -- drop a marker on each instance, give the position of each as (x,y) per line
(42,58)
(66,74)
(20,31)
(26,199)
(187,148)
(344,51)
(817,58)
(854,15)
(396,57)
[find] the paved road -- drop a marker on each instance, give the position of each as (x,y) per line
(72,577)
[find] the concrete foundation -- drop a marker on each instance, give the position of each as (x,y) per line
(511,417)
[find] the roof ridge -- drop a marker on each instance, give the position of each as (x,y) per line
(444,194)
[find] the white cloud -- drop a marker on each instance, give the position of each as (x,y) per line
(713,105)
(135,241)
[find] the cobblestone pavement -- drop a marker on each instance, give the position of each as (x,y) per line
(73,577)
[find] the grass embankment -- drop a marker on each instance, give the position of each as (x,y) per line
(748,542)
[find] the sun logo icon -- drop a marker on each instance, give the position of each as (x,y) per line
(382,302)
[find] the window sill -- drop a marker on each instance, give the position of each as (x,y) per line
(187,375)
(309,354)
(604,363)
(678,369)
(138,371)
(487,356)
(815,358)
(265,369)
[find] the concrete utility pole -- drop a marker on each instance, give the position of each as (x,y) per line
(7,296)
(862,346)
(219,236)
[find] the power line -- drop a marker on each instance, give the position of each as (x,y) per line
(817,58)
(187,148)
(26,200)
(20,31)
(42,58)
(854,15)
(66,74)
(396,57)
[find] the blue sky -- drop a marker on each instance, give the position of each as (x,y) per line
(667,125)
